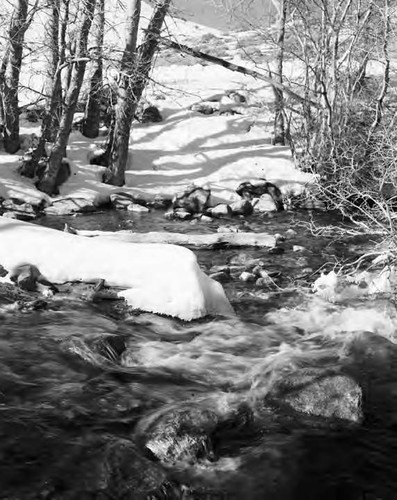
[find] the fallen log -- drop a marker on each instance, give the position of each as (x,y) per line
(211,241)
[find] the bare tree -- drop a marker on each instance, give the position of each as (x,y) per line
(134,71)
(93,108)
(78,62)
(10,72)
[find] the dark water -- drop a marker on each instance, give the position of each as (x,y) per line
(93,407)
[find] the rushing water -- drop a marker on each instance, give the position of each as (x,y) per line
(98,406)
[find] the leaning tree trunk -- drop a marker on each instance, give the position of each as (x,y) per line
(93,109)
(48,182)
(9,79)
(130,95)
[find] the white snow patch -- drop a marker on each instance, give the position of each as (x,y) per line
(164,279)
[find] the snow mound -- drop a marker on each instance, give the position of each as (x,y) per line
(159,278)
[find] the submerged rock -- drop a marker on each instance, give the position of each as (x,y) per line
(321,394)
(184,434)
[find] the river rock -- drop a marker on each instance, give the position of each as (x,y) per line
(184,434)
(264,204)
(247,277)
(20,211)
(193,199)
(277,250)
(135,207)
(259,187)
(242,207)
(220,210)
(205,218)
(298,248)
(290,233)
(105,468)
(67,206)
(220,276)
(317,393)
(178,214)
(121,201)
(161,202)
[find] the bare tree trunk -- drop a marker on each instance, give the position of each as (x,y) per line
(93,108)
(126,103)
(9,78)
(279,125)
(48,182)
(130,92)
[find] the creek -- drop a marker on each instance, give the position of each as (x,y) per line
(95,404)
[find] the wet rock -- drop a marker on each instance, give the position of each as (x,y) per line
(264,204)
(135,207)
(67,206)
(247,277)
(290,233)
(27,277)
(259,187)
(122,201)
(3,271)
(111,468)
(178,214)
(20,211)
(220,269)
(315,392)
(276,250)
(221,210)
(205,218)
(193,199)
(263,282)
(184,434)
(32,305)
(160,202)
(279,237)
(298,248)
(220,276)
(242,207)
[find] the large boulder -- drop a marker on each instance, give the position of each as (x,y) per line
(184,434)
(319,393)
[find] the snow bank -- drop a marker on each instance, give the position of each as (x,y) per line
(164,279)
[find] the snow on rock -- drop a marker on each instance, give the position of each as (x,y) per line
(159,278)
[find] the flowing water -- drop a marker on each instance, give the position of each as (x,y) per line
(95,404)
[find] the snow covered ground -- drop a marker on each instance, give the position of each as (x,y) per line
(218,150)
